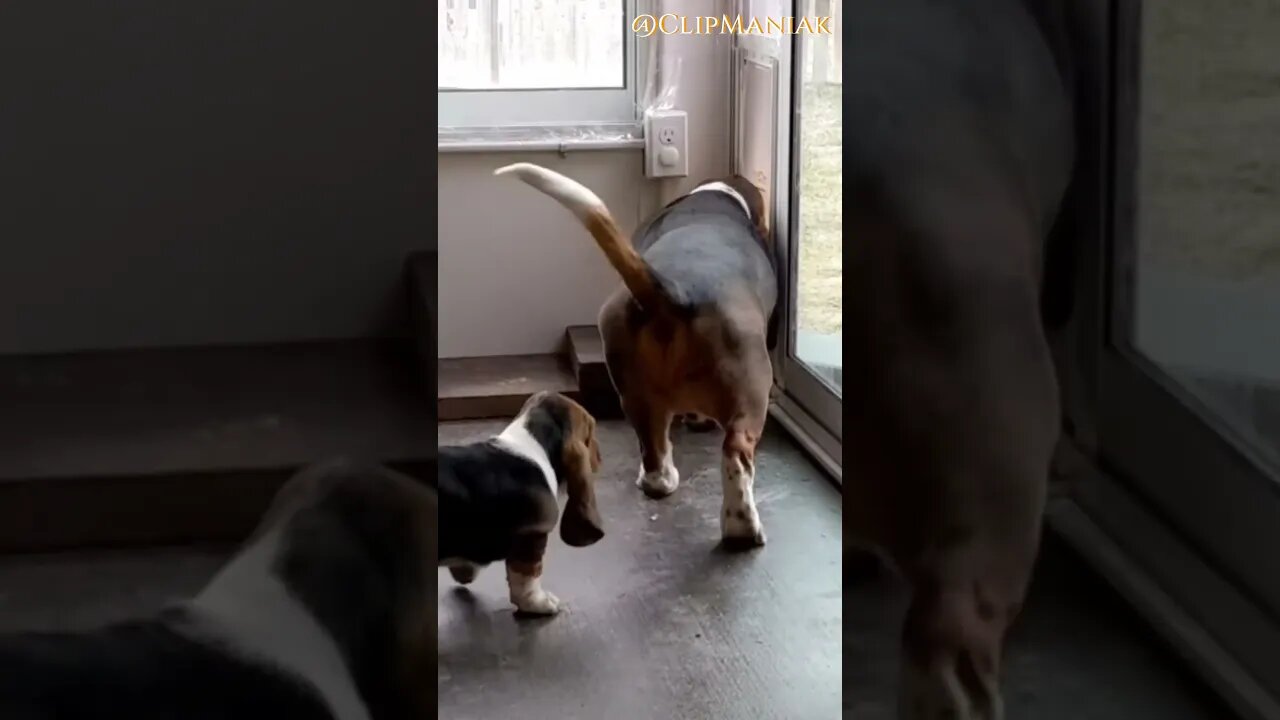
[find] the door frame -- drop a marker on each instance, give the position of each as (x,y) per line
(803,403)
(800,403)
(1164,504)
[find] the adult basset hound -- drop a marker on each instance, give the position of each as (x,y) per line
(499,498)
(688,333)
(323,613)
(957,159)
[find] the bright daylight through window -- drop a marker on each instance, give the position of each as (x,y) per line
(531,44)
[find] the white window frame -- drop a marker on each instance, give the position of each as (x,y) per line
(539,110)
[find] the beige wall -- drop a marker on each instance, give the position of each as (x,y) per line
(515,267)
(699,67)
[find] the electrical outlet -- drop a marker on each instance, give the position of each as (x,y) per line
(666,143)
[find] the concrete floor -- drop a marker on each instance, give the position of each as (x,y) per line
(661,624)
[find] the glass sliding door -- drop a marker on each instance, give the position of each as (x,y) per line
(809,226)
(1204,288)
(787,141)
(1184,347)
(815,331)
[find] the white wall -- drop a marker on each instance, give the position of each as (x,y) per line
(515,268)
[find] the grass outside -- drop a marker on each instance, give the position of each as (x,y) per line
(1210,151)
(1209,168)
(1209,175)
(820,267)
(1210,156)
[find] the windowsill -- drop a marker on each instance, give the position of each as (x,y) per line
(541,138)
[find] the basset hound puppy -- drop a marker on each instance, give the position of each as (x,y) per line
(323,613)
(689,331)
(499,498)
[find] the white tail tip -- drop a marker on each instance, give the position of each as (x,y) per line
(514,167)
(568,192)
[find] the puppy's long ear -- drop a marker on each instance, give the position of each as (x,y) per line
(580,525)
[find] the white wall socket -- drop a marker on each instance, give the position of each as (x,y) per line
(666,143)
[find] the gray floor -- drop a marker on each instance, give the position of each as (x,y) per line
(663,625)
(660,623)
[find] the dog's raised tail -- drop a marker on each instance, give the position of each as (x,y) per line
(595,216)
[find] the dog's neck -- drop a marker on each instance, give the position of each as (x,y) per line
(248,609)
(331,589)
(536,441)
(721,187)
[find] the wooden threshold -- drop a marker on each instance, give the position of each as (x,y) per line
(586,357)
(496,387)
(492,387)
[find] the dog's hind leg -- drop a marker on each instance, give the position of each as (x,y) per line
(975,533)
(743,396)
(658,476)
(740,525)
(954,632)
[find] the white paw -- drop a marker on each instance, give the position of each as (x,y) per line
(661,482)
(538,603)
(740,524)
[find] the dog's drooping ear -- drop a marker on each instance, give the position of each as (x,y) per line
(580,525)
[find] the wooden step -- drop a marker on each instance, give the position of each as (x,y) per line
(473,388)
(484,387)
(585,350)
(188,445)
(496,387)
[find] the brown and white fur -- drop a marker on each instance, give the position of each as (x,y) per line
(688,331)
(957,159)
(499,497)
(321,615)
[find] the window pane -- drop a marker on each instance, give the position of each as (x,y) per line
(820,268)
(1207,294)
(531,44)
